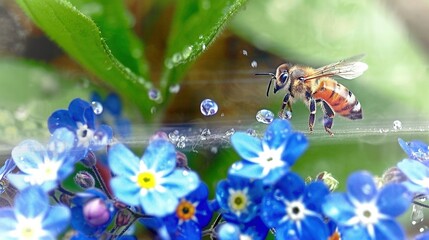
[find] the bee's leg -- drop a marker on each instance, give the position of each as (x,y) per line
(289,107)
(328,118)
(312,117)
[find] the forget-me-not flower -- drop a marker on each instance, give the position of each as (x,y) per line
(270,158)
(151,182)
(416,150)
(365,212)
(45,167)
(32,217)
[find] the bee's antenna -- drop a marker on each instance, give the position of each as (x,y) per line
(273,76)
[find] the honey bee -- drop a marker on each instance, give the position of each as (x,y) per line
(317,86)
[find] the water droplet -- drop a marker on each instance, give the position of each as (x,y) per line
(213,150)
(97,107)
(181,144)
(154,94)
(153,110)
(187,52)
(208,107)
(254,64)
(397,125)
(185,173)
(417,214)
(2,187)
(177,57)
(237,166)
(174,88)
(205,133)
(244,52)
(229,132)
(422,229)
(265,116)
(251,132)
(174,136)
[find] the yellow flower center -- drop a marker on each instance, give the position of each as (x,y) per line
(238,201)
(146,180)
(28,233)
(185,210)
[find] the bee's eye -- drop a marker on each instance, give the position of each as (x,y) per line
(284,76)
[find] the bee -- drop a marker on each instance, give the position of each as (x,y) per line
(314,86)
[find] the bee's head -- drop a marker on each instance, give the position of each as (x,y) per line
(282,77)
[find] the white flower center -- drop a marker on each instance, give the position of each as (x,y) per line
(295,210)
(46,171)
(270,158)
(84,135)
(367,213)
(28,229)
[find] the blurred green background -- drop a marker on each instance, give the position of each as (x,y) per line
(37,77)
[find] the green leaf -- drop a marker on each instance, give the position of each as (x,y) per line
(80,37)
(195,26)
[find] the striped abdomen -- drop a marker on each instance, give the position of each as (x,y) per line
(341,100)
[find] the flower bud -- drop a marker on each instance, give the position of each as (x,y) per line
(84,179)
(123,217)
(90,159)
(393,175)
(96,212)
(65,199)
(181,160)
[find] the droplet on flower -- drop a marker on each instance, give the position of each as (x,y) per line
(154,94)
(174,88)
(208,107)
(254,64)
(244,52)
(97,107)
(397,125)
(265,116)
(417,214)
(237,166)
(185,173)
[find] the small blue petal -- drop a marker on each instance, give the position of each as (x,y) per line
(228,231)
(361,186)
(57,220)
(18,180)
(159,204)
(181,182)
(28,155)
(414,170)
(246,169)
(9,166)
(122,161)
(277,132)
(60,119)
(247,147)
(393,200)
(314,228)
(272,210)
(355,232)
(38,204)
(295,147)
(188,230)
(389,229)
(113,104)
(292,185)
(126,190)
(160,155)
(338,208)
(81,111)
(7,219)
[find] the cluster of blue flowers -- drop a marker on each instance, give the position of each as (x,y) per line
(261,193)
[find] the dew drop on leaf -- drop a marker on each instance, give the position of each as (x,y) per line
(154,94)
(254,64)
(208,107)
(397,125)
(244,52)
(265,116)
(174,88)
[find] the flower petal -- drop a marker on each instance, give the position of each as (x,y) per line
(355,232)
(314,228)
(188,230)
(314,195)
(389,229)
(81,111)
(361,186)
(160,155)
(296,145)
(277,133)
(393,200)
(272,210)
(7,219)
(414,170)
(28,155)
(122,161)
(337,207)
(126,190)
(60,119)
(291,185)
(57,220)
(246,146)
(181,182)
(38,205)
(246,169)
(159,204)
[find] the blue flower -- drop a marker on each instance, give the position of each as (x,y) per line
(294,209)
(112,113)
(270,158)
(192,214)
(366,213)
(32,217)
(44,166)
(151,182)
(417,175)
(239,198)
(416,150)
(92,212)
(79,118)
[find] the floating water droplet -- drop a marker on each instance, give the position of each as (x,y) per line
(181,144)
(174,88)
(265,116)
(174,135)
(208,107)
(97,107)
(154,94)
(251,132)
(229,132)
(244,52)
(254,64)
(417,214)
(397,125)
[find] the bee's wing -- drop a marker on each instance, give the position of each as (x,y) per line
(348,68)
